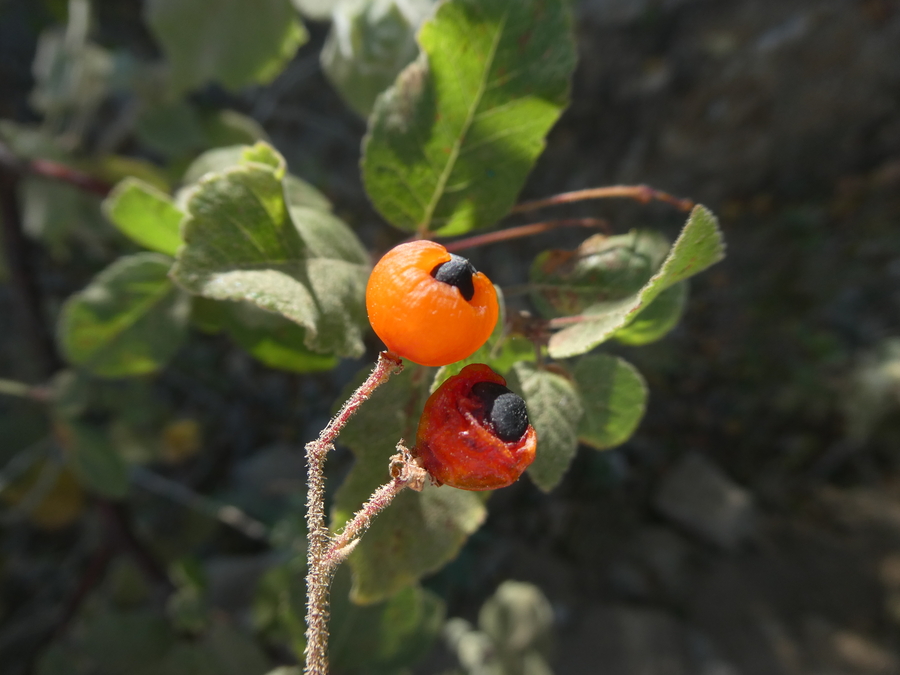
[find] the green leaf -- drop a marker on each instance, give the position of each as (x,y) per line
(370,42)
(300,193)
(233,42)
(420,531)
(660,316)
(614,396)
(316,10)
(214,161)
(382,638)
(601,269)
(179,128)
(699,245)
(272,339)
(554,408)
(242,244)
(145,215)
(130,320)
(450,144)
(94,460)
(297,191)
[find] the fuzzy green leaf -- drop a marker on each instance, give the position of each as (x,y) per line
(657,319)
(554,408)
(145,215)
(272,339)
(420,531)
(242,244)
(234,42)
(450,144)
(130,320)
(699,245)
(614,396)
(297,191)
(382,637)
(370,42)
(386,637)
(601,269)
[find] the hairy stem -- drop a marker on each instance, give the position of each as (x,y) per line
(523,231)
(318,577)
(641,193)
(406,472)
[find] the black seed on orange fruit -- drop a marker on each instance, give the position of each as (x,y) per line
(457,272)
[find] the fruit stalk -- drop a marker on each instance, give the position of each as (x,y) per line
(318,577)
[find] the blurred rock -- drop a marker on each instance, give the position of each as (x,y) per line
(630,641)
(697,495)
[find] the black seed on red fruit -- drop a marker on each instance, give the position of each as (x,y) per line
(503,410)
(457,272)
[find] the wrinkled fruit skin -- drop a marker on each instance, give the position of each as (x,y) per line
(422,319)
(458,445)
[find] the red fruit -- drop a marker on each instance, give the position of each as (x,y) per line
(474,433)
(430,306)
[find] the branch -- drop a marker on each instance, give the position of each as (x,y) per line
(641,193)
(524,231)
(406,472)
(22,390)
(19,260)
(318,577)
(47,168)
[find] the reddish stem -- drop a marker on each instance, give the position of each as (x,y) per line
(55,170)
(641,193)
(524,231)
(318,577)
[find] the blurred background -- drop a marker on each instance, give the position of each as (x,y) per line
(752,524)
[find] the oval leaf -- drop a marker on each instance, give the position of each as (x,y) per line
(555,408)
(614,395)
(699,245)
(229,41)
(272,339)
(654,322)
(601,269)
(145,215)
(450,144)
(370,42)
(130,320)
(242,244)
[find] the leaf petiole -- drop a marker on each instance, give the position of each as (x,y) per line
(641,193)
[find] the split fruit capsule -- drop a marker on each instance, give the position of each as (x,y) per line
(474,433)
(430,306)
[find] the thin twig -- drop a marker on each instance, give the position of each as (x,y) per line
(317,577)
(19,261)
(524,231)
(225,513)
(118,525)
(641,193)
(47,168)
(22,390)
(406,472)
